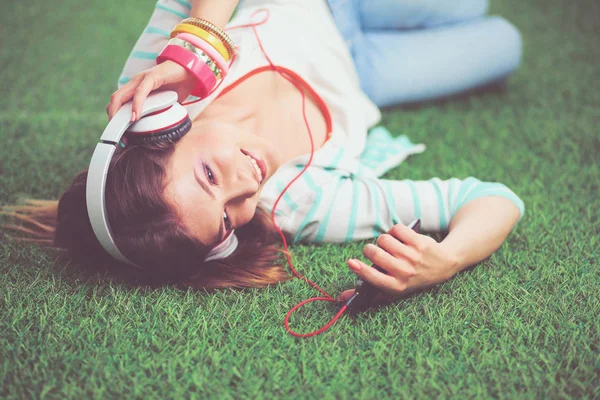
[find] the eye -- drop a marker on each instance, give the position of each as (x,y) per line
(227,221)
(209,175)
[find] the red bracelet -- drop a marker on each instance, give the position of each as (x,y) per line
(205,78)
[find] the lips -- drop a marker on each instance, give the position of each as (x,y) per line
(257,164)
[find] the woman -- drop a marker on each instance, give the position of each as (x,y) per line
(170,203)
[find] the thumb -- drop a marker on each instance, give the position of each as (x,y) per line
(346,294)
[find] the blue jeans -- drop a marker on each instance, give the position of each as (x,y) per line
(416,50)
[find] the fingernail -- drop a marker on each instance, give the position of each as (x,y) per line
(354,265)
(133,116)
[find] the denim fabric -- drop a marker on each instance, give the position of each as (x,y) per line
(415,50)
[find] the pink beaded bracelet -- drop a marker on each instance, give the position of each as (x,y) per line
(205,78)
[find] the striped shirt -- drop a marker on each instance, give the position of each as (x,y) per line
(341,196)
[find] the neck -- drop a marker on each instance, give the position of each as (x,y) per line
(257,117)
(223,110)
(269,106)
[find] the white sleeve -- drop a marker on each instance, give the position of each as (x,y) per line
(330,206)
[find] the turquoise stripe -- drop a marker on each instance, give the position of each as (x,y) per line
(512,197)
(336,159)
(378,228)
(464,188)
(372,156)
(452,198)
(157,31)
(185,4)
(415,198)
(124,80)
(170,10)
(481,189)
(391,203)
(404,141)
(286,197)
(389,147)
(490,189)
(370,163)
(495,189)
(144,55)
(323,225)
(441,207)
(331,166)
(353,212)
(313,209)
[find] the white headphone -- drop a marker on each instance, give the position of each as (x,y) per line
(162,118)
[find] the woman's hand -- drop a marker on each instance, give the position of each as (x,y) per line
(413,262)
(166,76)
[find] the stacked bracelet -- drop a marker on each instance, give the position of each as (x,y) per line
(203,49)
(215,30)
(205,78)
(204,35)
(206,58)
(207,49)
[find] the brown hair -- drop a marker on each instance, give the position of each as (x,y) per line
(147,230)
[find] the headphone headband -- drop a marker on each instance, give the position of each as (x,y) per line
(165,119)
(98,169)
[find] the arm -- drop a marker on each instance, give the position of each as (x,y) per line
(216,11)
(478,228)
(335,207)
(141,75)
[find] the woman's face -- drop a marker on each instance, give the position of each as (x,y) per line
(212,180)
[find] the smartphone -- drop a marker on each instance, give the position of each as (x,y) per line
(364,292)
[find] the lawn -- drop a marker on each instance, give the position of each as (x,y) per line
(524,323)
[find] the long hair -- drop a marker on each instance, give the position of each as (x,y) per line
(147,230)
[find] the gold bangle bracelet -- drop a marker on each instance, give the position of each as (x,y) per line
(209,26)
(204,35)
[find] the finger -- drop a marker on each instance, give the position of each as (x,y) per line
(384,282)
(345,295)
(398,267)
(405,234)
(142,91)
(398,249)
(122,96)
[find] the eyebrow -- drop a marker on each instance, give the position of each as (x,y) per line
(212,195)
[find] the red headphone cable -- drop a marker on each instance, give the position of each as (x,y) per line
(292,80)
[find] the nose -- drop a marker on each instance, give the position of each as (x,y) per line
(241,204)
(238,178)
(242,188)
(239,188)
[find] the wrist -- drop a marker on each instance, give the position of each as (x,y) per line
(454,259)
(219,22)
(218,14)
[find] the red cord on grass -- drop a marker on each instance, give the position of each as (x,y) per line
(292,80)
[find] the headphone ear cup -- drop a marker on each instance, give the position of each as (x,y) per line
(168,135)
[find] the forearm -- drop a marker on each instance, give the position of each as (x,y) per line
(478,229)
(216,11)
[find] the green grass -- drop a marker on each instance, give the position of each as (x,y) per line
(522,324)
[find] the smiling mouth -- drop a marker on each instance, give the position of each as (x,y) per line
(259,166)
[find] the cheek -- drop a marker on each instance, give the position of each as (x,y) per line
(220,145)
(226,157)
(247,210)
